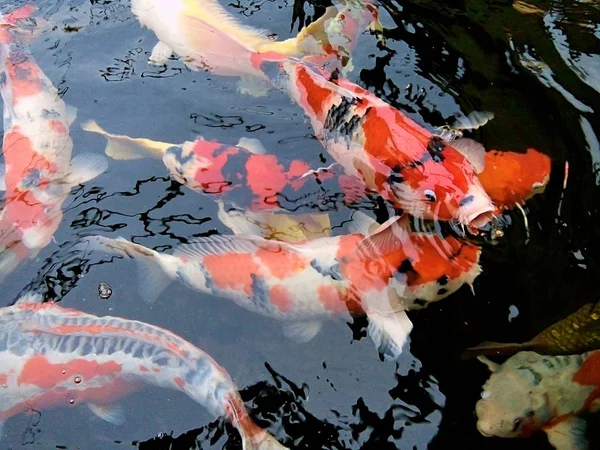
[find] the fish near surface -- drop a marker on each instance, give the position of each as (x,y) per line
(38,172)
(389,153)
(242,171)
(306,283)
(530,393)
(576,333)
(193,29)
(51,356)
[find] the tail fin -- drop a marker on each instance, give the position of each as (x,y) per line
(265,442)
(152,279)
(125,147)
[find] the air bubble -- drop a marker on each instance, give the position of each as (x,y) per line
(77,380)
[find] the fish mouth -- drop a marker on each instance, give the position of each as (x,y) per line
(480,219)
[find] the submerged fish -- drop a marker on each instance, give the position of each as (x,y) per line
(52,356)
(38,172)
(576,333)
(379,272)
(191,28)
(530,393)
(210,167)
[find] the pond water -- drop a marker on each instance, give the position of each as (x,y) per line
(537,69)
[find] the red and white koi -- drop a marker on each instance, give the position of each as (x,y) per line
(531,392)
(212,167)
(390,154)
(379,272)
(38,172)
(52,356)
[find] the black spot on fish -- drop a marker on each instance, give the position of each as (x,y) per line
(465,201)
(442,291)
(197,376)
(341,120)
(443,280)
(420,302)
(537,377)
(3,78)
(406,266)
(332,271)
(177,152)
(435,148)
(260,293)
(334,75)
(49,114)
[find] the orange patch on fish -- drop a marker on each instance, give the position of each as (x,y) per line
(265,177)
(44,374)
(331,298)
(179,382)
(144,369)
(3,379)
(281,297)
(510,178)
(589,372)
(232,271)
(314,95)
(58,127)
(281,264)
(437,258)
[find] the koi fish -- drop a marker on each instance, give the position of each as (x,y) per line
(530,393)
(210,167)
(191,28)
(390,154)
(377,270)
(52,356)
(576,333)
(38,172)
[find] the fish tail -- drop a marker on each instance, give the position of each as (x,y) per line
(152,278)
(495,348)
(253,437)
(125,147)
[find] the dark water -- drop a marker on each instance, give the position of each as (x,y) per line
(539,73)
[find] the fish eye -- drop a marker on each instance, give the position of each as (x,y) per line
(430,195)
(517,423)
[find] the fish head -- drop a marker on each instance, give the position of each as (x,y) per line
(513,404)
(443,187)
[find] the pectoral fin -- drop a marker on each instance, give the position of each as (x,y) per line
(85,167)
(568,434)
(302,331)
(389,332)
(110,413)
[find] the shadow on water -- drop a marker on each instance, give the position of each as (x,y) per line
(536,67)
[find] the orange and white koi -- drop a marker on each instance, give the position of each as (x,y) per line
(415,170)
(531,392)
(223,170)
(379,272)
(52,356)
(38,172)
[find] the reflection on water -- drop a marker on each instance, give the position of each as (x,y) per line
(535,66)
